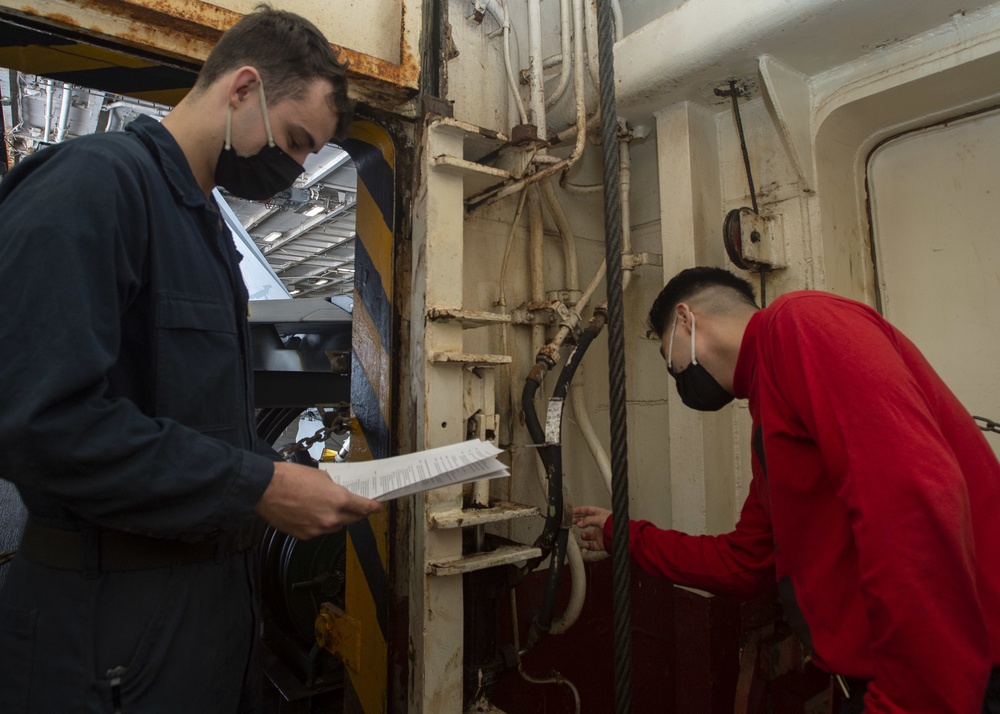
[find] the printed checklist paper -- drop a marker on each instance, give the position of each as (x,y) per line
(386,479)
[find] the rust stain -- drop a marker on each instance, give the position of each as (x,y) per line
(187,31)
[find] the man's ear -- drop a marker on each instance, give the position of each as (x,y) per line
(244,82)
(683,315)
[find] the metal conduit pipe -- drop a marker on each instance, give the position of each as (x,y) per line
(536,245)
(565,232)
(508,65)
(492,195)
(577,592)
(616,9)
(552,61)
(63,123)
(625,186)
(621,577)
(47,129)
(565,36)
(536,85)
(551,351)
(590,22)
(556,677)
(590,437)
(578,189)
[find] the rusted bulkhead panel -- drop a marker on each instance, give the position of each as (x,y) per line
(184,31)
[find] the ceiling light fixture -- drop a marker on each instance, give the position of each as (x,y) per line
(296,291)
(313,211)
(322,281)
(272,236)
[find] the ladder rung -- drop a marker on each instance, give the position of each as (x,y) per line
(504,555)
(498,511)
(482,360)
(469,168)
(468,318)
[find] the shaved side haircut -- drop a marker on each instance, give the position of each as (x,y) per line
(713,289)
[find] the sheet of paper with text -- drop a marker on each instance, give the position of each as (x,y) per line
(386,479)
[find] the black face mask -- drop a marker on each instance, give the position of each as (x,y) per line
(697,388)
(261,176)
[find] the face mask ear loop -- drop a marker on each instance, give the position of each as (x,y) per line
(267,121)
(670,346)
(694,360)
(229,127)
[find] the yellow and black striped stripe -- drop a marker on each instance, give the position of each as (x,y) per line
(367,586)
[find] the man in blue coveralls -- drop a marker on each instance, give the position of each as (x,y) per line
(130,435)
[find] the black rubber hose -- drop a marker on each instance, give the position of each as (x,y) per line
(551,460)
(552,455)
(592,330)
(552,587)
(542,622)
(535,431)
(621,576)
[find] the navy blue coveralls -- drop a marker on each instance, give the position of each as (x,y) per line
(126,407)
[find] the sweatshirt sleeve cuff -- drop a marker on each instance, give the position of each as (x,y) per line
(255,473)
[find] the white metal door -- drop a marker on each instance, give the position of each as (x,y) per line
(934,197)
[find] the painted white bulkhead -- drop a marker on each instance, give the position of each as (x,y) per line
(371,28)
(827,82)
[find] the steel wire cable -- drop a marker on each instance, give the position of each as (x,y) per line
(621,577)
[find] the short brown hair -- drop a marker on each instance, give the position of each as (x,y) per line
(288,51)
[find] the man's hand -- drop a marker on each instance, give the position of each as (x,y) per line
(303,502)
(592,518)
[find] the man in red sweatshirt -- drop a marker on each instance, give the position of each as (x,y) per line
(875,499)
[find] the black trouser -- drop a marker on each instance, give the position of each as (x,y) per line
(163,641)
(856,703)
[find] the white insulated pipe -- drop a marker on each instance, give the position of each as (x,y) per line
(508,65)
(47,129)
(581,120)
(625,188)
(63,123)
(566,38)
(536,78)
(536,259)
(590,24)
(578,589)
(593,441)
(565,232)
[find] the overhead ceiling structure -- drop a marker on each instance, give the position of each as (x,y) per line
(306,234)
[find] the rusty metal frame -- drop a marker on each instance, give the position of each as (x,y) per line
(185,31)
